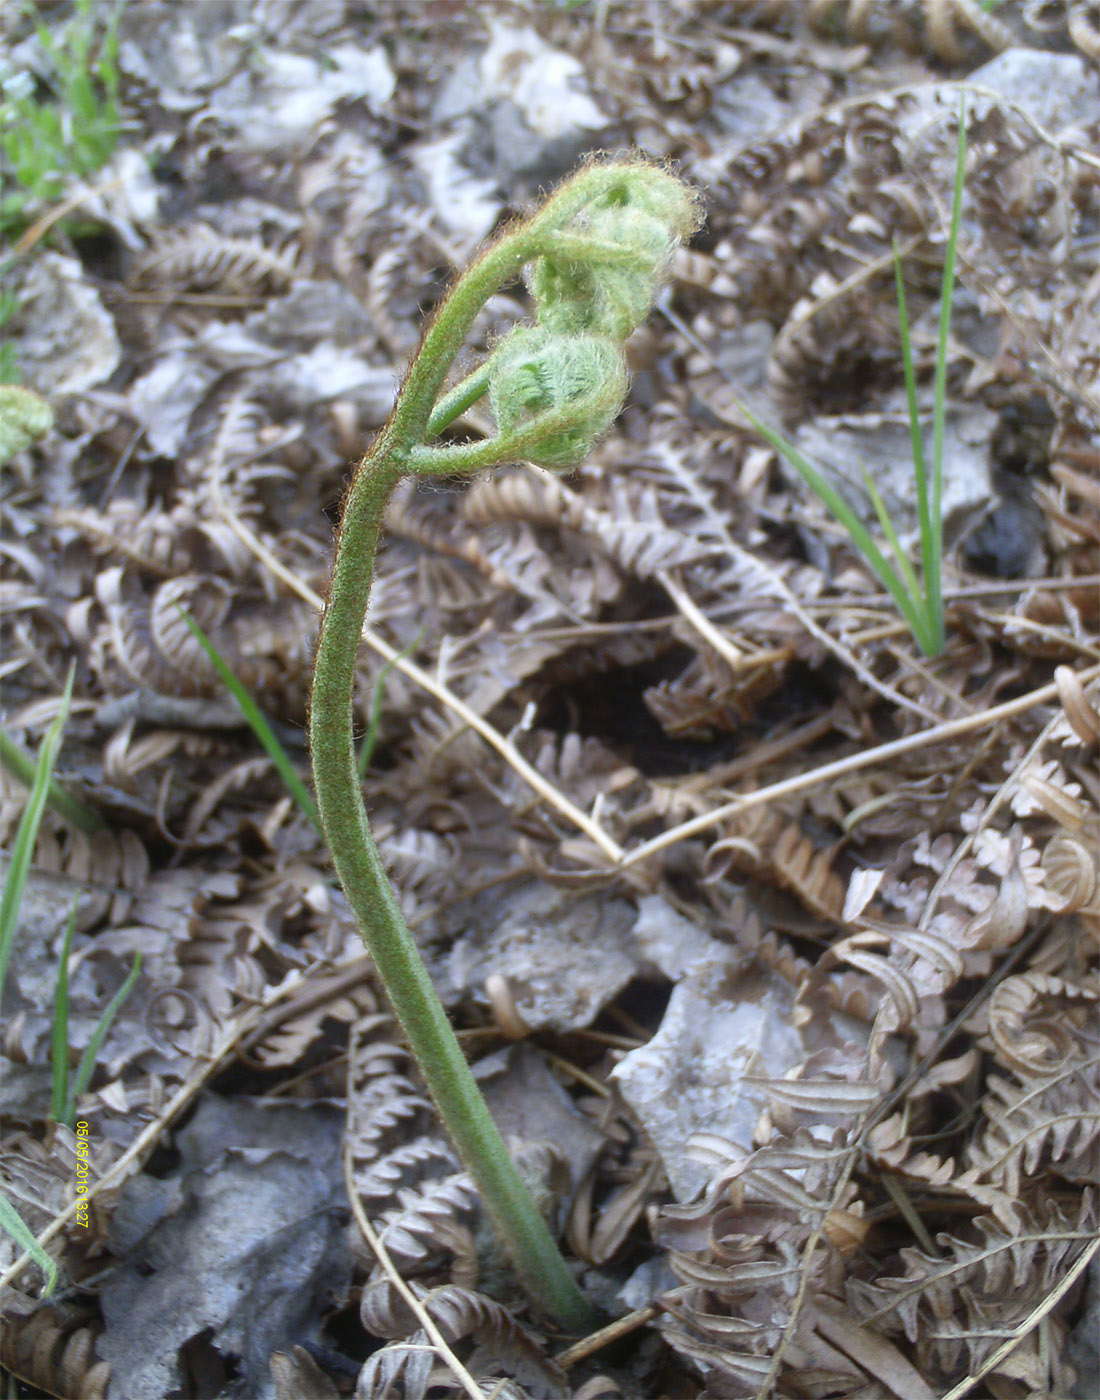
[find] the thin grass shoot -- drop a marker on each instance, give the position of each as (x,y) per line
(255,720)
(22,853)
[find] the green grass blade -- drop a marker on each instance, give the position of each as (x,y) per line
(934,581)
(21,765)
(861,536)
(61,1022)
(86,1068)
(366,749)
(905,568)
(82,98)
(23,848)
(257,723)
(12,1223)
(920,473)
(907,1210)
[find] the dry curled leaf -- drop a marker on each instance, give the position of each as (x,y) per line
(1037,1022)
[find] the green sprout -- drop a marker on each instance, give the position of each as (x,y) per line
(22,766)
(595,254)
(45,792)
(24,417)
(65,1096)
(13,1224)
(15,882)
(255,720)
(70,128)
(53,129)
(9,305)
(921,605)
(262,731)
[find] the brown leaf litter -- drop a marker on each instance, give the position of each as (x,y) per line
(792,932)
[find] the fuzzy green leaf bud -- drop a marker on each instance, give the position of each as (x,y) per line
(578,381)
(607,260)
(24,418)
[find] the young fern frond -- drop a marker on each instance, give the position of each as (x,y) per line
(597,252)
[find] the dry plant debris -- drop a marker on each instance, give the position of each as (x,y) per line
(798,930)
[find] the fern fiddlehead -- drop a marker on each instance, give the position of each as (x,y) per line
(596,251)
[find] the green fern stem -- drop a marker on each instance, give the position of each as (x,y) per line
(355,855)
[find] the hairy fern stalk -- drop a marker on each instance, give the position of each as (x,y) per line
(595,253)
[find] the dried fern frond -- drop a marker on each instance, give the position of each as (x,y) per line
(402,1167)
(960,1305)
(1081,711)
(631,530)
(903,984)
(200,258)
(1038,1023)
(265,643)
(538,498)
(708,698)
(635,535)
(150,539)
(435,530)
(1072,869)
(411,1365)
(772,849)
(421,1221)
(742,1251)
(949,27)
(54,1349)
(322,996)
(501,1345)
(426,866)
(889,1146)
(1038,1124)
